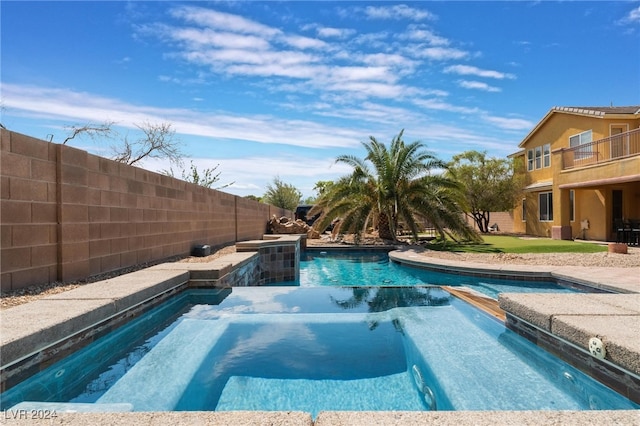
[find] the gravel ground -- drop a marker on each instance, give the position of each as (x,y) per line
(603,259)
(35,292)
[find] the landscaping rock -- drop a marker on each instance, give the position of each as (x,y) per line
(284,225)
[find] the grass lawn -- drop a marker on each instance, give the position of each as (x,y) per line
(510,244)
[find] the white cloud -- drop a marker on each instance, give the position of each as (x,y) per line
(440,53)
(388,60)
(418,33)
(449,139)
(363,90)
(471,70)
(274,70)
(282,55)
(328,32)
(478,85)
(224,21)
(371,73)
(509,123)
(266,167)
(372,40)
(67,105)
(399,11)
(250,175)
(633,17)
(301,42)
(440,105)
(372,112)
(196,38)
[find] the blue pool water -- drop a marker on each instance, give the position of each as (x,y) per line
(314,349)
(370,268)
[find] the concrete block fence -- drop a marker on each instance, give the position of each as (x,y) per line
(68,215)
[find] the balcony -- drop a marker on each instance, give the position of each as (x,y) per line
(613,148)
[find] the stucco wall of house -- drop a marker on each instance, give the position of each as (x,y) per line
(519,224)
(593,203)
(68,215)
(557,130)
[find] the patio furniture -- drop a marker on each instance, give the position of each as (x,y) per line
(623,231)
(634,233)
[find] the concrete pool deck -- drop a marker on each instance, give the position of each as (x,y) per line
(614,318)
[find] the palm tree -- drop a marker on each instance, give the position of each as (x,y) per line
(391,185)
(386,298)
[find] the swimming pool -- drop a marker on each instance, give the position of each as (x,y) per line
(370,268)
(312,349)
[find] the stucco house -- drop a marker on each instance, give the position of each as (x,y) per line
(582,173)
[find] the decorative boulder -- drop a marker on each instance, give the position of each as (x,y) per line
(284,225)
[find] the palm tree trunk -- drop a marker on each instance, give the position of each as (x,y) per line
(384,228)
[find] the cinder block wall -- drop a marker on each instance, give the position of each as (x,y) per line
(67,215)
(28,211)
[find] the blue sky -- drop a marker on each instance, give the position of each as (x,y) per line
(268,89)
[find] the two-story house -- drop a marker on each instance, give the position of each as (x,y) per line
(582,173)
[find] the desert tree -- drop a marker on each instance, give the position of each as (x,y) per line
(206,177)
(281,194)
(489,184)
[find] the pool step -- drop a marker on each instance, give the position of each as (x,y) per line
(391,392)
(158,381)
(484,303)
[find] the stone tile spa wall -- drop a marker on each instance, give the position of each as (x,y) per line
(68,215)
(279,259)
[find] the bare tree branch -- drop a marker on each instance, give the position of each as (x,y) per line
(159,141)
(91,130)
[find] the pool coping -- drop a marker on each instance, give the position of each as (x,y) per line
(95,298)
(336,418)
(617,280)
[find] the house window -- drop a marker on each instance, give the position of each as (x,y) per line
(524,209)
(546,154)
(581,139)
(572,205)
(538,157)
(545,206)
(529,160)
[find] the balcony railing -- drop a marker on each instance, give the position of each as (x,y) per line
(601,151)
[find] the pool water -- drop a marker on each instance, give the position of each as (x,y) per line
(314,349)
(357,268)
